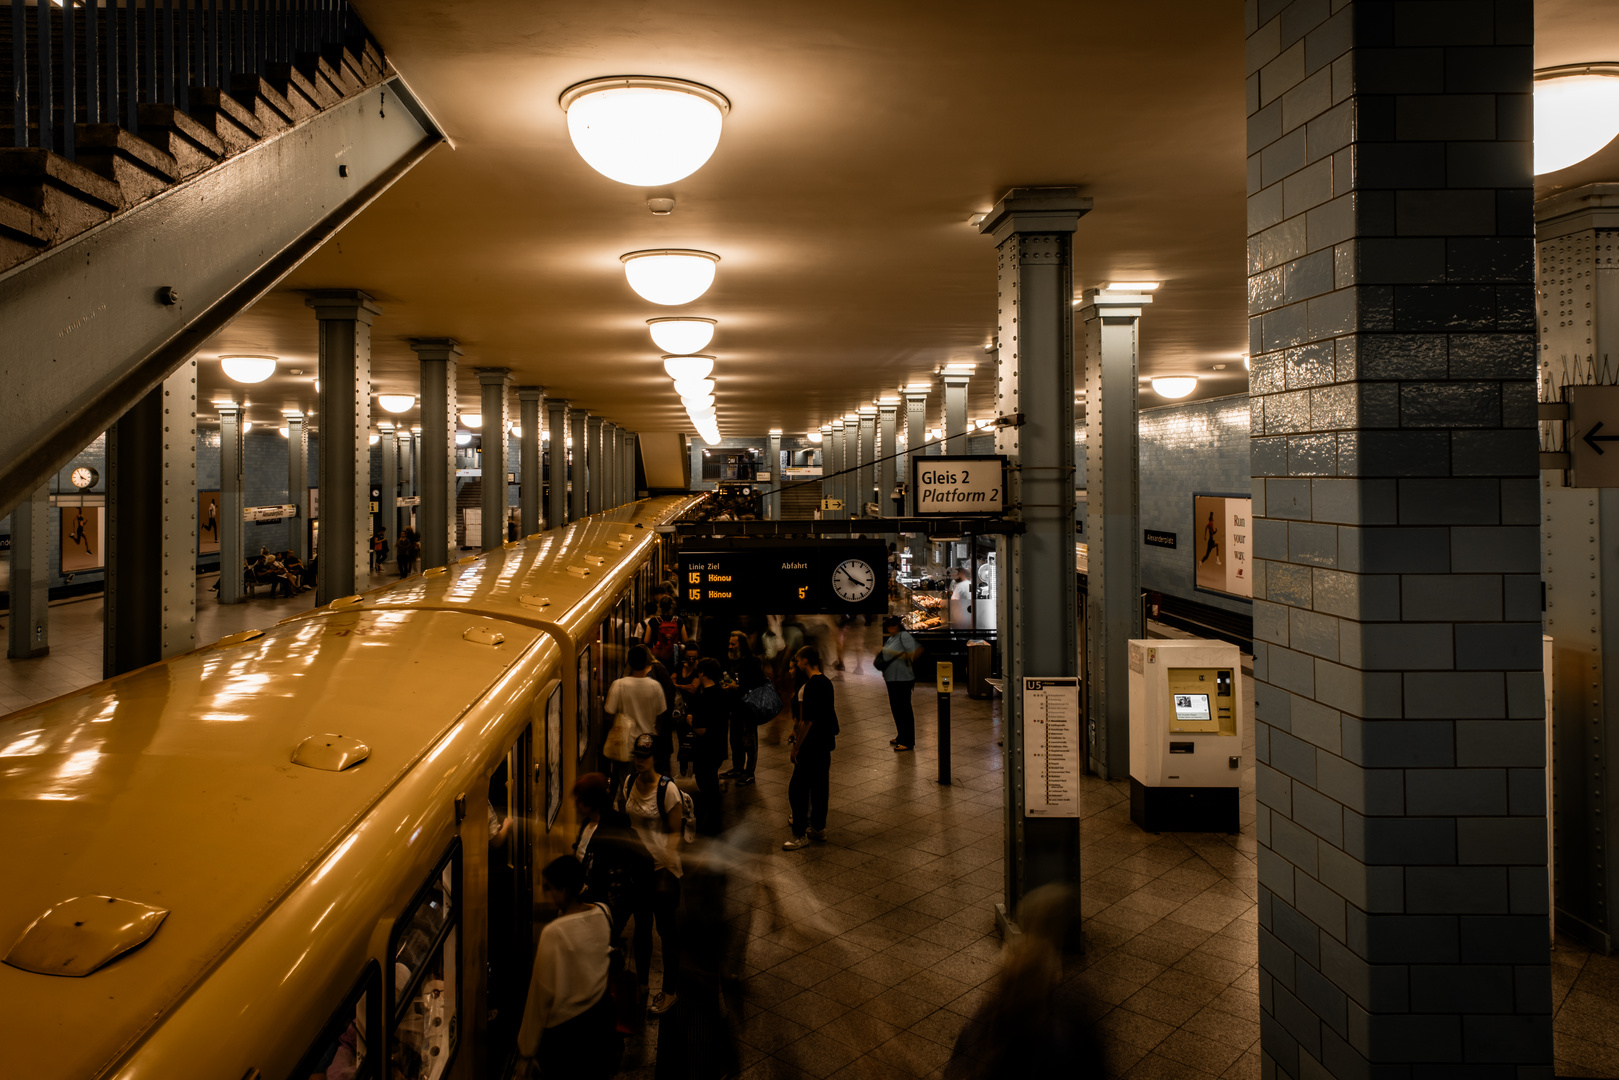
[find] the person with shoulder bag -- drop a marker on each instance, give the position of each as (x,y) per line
(568,1021)
(660,813)
(895,660)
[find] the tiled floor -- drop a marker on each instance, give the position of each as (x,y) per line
(1585,993)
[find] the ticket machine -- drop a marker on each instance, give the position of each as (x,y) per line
(1186,727)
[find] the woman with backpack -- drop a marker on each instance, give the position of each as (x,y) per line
(657,810)
(664,635)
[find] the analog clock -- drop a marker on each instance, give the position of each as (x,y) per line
(84,476)
(853,580)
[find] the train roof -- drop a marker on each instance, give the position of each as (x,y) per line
(174,785)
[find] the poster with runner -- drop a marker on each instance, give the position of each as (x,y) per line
(1221,540)
(207,522)
(82,535)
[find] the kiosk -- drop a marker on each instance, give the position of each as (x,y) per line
(1185,735)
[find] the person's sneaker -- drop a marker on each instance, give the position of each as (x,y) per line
(795,843)
(900,748)
(816,834)
(730,774)
(661,1003)
(744,779)
(838,666)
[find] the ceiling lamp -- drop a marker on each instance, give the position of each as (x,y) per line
(517,432)
(1174,386)
(396,403)
(284,434)
(711,436)
(670,276)
(472,420)
(681,368)
(248,369)
(691,388)
(374,439)
(644,131)
(1576,113)
(814,436)
(464,438)
(681,336)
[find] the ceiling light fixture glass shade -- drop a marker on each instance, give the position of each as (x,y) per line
(1576,113)
(681,336)
(644,131)
(1174,386)
(688,388)
(464,438)
(697,405)
(670,276)
(517,432)
(814,436)
(396,403)
(711,437)
(248,369)
(682,368)
(472,420)
(284,434)
(374,439)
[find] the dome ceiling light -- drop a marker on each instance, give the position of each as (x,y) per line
(682,335)
(1576,113)
(670,276)
(248,369)
(472,420)
(813,436)
(464,438)
(694,387)
(642,130)
(1174,386)
(681,368)
(396,403)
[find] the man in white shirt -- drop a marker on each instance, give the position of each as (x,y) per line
(635,702)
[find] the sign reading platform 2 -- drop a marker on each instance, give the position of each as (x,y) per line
(959,486)
(842,577)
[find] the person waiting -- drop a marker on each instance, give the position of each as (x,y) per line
(568,1020)
(814,738)
(658,814)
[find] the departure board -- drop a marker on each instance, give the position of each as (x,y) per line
(840,577)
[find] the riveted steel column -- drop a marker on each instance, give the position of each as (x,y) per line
(955,412)
(530,400)
(888,464)
(345,446)
(388,505)
(496,417)
(436,514)
(773,500)
(1112,520)
(28,623)
(632,490)
(867,476)
(407,461)
(609,459)
(151,528)
(854,506)
(231,501)
(696,452)
(916,437)
(1038,617)
(592,459)
(298,482)
(556,431)
(579,431)
(832,488)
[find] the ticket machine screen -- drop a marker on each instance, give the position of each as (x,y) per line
(1192,707)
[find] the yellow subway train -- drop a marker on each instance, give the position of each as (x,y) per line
(311,851)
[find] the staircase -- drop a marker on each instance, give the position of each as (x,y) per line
(800,499)
(162,171)
(468,496)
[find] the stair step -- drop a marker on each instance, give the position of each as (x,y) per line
(224,117)
(140,169)
(69,196)
(268,106)
(293,85)
(192,146)
(346,68)
(373,67)
(322,77)
(24,232)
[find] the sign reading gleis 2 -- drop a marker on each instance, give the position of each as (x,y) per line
(972,486)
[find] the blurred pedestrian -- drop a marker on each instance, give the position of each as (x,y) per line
(568,1018)
(814,738)
(895,660)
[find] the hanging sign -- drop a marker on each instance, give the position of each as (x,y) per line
(840,577)
(970,486)
(269,513)
(1053,748)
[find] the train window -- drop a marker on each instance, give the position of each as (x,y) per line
(341,1051)
(426,965)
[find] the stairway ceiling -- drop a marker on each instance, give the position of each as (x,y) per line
(862,136)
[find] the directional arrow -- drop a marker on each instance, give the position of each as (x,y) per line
(1592,438)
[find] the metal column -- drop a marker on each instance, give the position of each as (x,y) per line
(578,503)
(1112,521)
(916,437)
(151,528)
(28,623)
(1038,617)
(955,412)
(345,447)
(231,501)
(833,488)
(298,482)
(609,460)
(866,478)
(887,467)
(852,506)
(407,461)
(593,474)
(696,452)
(632,490)
(556,429)
(773,500)
(436,513)
(530,399)
(388,504)
(496,416)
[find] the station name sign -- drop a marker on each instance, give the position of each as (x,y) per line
(842,577)
(969,486)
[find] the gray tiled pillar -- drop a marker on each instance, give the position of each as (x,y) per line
(627,470)
(28,623)
(493,382)
(1398,709)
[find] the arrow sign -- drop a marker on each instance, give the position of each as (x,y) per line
(1592,438)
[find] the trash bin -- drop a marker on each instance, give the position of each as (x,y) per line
(979,659)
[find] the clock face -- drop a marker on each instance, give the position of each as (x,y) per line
(84,477)
(853,580)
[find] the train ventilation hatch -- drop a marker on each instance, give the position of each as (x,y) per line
(237,639)
(530,600)
(345,601)
(482,635)
(330,753)
(79,936)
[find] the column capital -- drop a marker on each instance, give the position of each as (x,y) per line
(867,410)
(494,376)
(229,408)
(1097,304)
(441,348)
(888,408)
(1036,210)
(531,393)
(349,304)
(589,418)
(917,393)
(386,427)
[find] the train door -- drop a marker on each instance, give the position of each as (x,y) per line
(511,895)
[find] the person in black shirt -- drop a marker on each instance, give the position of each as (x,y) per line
(814,737)
(618,869)
(742,674)
(709,711)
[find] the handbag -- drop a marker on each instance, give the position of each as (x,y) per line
(618,744)
(763,703)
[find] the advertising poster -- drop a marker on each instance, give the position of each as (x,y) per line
(1220,551)
(553,758)
(584,704)
(82,547)
(207,522)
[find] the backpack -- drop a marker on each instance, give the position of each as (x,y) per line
(663,644)
(762,703)
(688,811)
